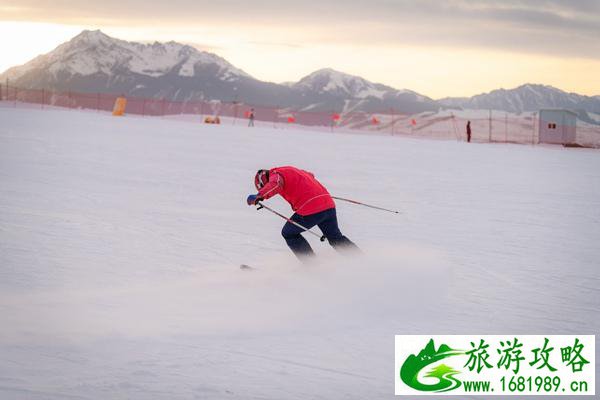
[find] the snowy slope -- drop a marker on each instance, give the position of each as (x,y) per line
(121,237)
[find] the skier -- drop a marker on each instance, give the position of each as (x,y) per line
(468,131)
(251,118)
(312,205)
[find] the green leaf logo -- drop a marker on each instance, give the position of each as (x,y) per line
(409,371)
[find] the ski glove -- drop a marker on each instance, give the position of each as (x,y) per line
(253,199)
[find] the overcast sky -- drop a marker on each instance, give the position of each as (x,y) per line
(438,48)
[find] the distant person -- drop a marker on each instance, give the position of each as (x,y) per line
(312,205)
(251,118)
(468,131)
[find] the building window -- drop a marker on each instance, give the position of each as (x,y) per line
(551,125)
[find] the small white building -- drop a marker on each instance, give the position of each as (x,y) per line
(557,127)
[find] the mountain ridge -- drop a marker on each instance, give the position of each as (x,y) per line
(95,62)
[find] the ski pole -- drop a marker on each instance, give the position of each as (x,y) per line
(366,205)
(305,229)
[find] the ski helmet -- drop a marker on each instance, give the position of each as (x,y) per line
(261,178)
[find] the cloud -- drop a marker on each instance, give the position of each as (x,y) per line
(276,44)
(553,27)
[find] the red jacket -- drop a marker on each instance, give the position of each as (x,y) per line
(299,188)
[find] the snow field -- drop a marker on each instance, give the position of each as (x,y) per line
(121,240)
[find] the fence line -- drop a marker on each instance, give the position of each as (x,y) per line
(497,127)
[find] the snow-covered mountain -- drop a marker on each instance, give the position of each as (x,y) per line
(528,97)
(95,62)
(93,52)
(351,92)
(340,84)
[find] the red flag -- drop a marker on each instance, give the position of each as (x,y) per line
(247,114)
(291,120)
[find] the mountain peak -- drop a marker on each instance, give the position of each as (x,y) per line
(331,73)
(337,83)
(526,97)
(536,86)
(95,36)
(328,80)
(92,33)
(93,52)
